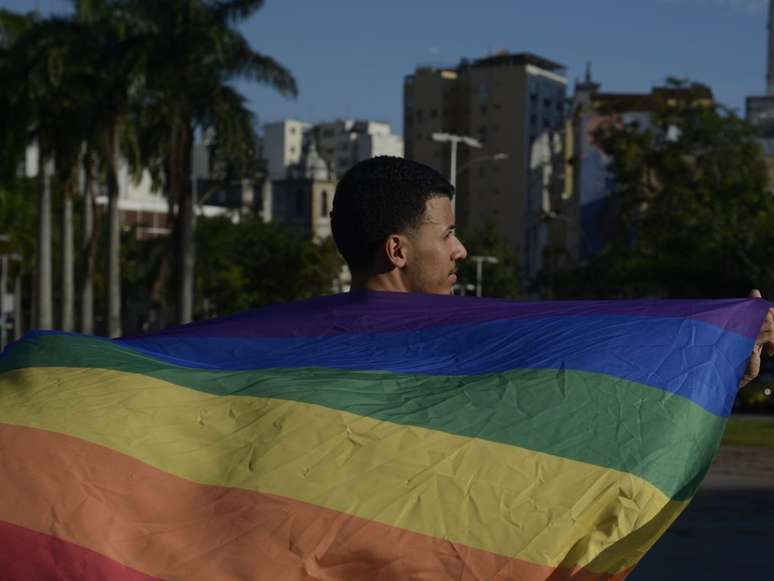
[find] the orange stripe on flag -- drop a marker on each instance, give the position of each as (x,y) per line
(169,527)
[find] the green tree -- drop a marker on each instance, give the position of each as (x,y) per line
(500,280)
(251,264)
(692,212)
(17,222)
(194,52)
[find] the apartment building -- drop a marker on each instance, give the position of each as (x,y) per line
(340,143)
(505,102)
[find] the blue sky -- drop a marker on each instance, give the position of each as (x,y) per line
(350,56)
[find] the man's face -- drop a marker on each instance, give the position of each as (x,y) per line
(433,250)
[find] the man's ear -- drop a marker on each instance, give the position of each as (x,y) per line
(395,250)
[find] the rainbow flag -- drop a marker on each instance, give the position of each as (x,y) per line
(374,436)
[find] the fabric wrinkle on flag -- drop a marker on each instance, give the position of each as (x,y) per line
(367,435)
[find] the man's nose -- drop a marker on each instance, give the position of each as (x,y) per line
(460,252)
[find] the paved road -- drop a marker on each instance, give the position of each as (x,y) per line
(727,532)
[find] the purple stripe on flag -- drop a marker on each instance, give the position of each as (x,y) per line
(388,312)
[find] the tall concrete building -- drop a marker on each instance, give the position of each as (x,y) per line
(760,109)
(505,102)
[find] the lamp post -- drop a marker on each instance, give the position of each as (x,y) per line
(480,260)
(454,140)
(495,157)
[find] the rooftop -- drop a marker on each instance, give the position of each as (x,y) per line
(518,59)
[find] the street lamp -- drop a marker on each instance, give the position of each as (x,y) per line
(495,157)
(454,140)
(480,260)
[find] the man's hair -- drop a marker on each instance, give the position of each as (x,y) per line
(379,197)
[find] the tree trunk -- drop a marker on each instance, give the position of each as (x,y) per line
(68,269)
(187,258)
(43,295)
(88,248)
(17,308)
(114,241)
(182,189)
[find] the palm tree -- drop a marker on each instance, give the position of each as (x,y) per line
(113,55)
(195,51)
(110,57)
(27,102)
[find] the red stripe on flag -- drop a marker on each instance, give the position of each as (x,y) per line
(27,555)
(174,528)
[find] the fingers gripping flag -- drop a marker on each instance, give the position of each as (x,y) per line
(369,436)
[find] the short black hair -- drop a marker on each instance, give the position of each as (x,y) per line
(379,197)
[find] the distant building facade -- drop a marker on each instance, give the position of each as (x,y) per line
(506,102)
(303,199)
(283,145)
(589,197)
(341,144)
(760,109)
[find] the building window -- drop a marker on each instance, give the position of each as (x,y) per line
(299,203)
(324,205)
(292,150)
(292,130)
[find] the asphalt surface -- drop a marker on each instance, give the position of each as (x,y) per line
(727,532)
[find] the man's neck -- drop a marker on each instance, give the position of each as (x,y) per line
(385,281)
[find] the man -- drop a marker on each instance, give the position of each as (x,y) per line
(392,220)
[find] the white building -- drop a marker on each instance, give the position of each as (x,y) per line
(141,205)
(283,144)
(341,143)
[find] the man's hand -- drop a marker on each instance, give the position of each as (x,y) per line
(764,340)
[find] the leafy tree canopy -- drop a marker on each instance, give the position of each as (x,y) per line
(251,264)
(499,280)
(692,212)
